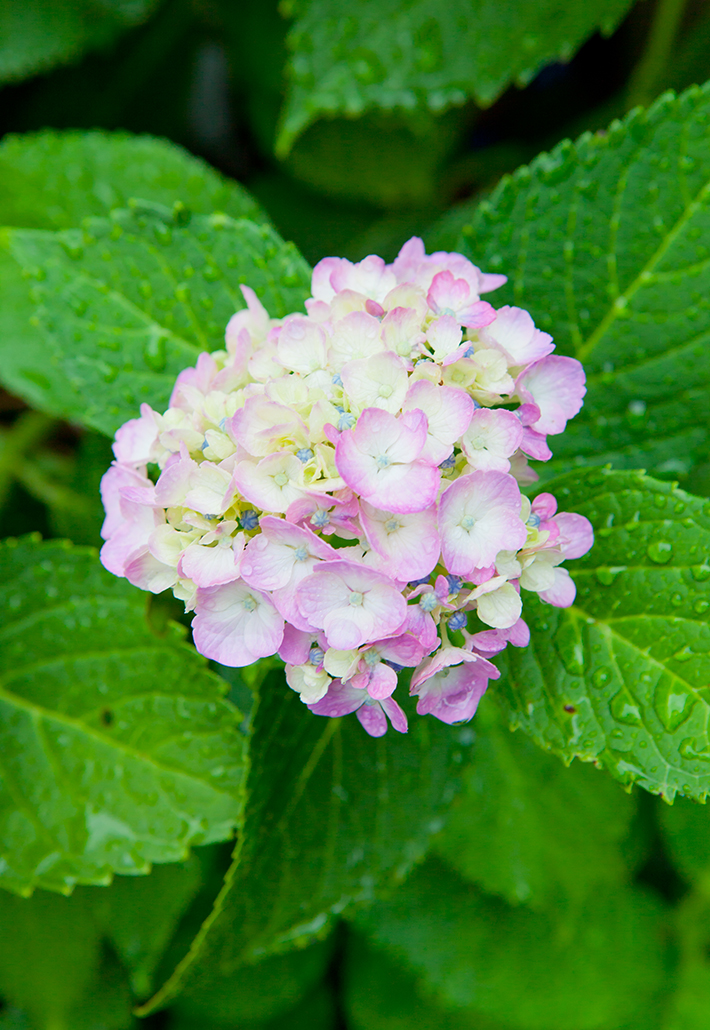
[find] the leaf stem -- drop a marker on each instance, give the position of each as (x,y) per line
(29,429)
(647,77)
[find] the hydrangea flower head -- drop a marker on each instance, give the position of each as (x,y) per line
(342,487)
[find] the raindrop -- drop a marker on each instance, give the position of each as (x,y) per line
(660,551)
(684,655)
(677,600)
(154,353)
(659,500)
(701,605)
(679,507)
(601,677)
(672,706)
(700,572)
(607,575)
(624,708)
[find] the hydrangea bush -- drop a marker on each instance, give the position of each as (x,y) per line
(342,487)
(332,492)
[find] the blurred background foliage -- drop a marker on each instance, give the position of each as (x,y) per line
(553,901)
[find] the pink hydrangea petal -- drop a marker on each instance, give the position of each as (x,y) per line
(382,682)
(395,714)
(576,534)
(235,624)
(372,719)
(136,439)
(211,566)
(563,591)
(557,385)
(341,699)
(146,572)
(490,502)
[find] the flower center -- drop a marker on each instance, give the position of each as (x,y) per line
(249,603)
(300,554)
(391,525)
(468,522)
(428,602)
(385,391)
(356,599)
(382,461)
(281,479)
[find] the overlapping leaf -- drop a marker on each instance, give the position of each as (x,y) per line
(53,180)
(597,967)
(621,677)
(333,817)
(116,747)
(396,54)
(37,34)
(605,241)
(550,833)
(127,302)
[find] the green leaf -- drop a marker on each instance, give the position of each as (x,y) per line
(126,303)
(550,832)
(53,967)
(380,994)
(267,991)
(686,834)
(690,1002)
(333,818)
(597,966)
(620,678)
(423,54)
(53,180)
(116,748)
(139,915)
(38,34)
(319,1011)
(605,242)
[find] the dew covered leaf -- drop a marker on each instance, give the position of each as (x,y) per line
(550,832)
(605,242)
(346,58)
(116,747)
(621,678)
(53,180)
(598,965)
(124,304)
(37,34)
(333,817)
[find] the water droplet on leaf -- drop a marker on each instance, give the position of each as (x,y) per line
(660,551)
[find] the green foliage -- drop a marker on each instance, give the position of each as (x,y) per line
(333,817)
(125,303)
(265,991)
(139,915)
(383,995)
(53,966)
(396,55)
(605,242)
(689,1006)
(117,748)
(686,833)
(597,965)
(53,180)
(37,34)
(551,833)
(620,678)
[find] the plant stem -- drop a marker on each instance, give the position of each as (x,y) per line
(29,429)
(647,77)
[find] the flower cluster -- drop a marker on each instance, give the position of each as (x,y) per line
(341,488)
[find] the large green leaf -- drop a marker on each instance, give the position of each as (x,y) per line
(549,832)
(333,817)
(410,54)
(605,241)
(37,34)
(125,303)
(116,747)
(53,180)
(686,835)
(621,677)
(598,966)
